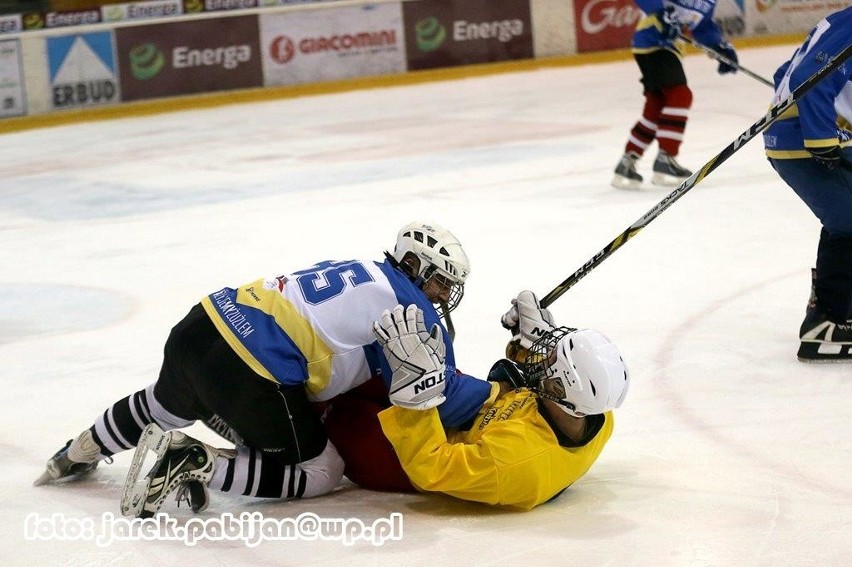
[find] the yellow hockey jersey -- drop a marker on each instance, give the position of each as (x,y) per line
(510,456)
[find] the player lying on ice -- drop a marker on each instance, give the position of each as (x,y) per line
(544,425)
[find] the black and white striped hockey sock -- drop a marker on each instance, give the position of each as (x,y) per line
(265,475)
(120,426)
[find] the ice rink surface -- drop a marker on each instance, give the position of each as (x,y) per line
(727,450)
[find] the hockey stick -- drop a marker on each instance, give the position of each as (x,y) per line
(722,59)
(697,177)
(451,329)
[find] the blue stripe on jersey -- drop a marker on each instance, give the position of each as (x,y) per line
(465,394)
(267,342)
(376,362)
(408,293)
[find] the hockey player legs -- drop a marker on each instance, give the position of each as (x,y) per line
(664,118)
(826,332)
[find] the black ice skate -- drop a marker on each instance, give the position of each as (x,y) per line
(625,176)
(78,457)
(667,171)
(824,340)
(182,463)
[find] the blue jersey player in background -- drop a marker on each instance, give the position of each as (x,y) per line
(252,362)
(810,148)
(656,49)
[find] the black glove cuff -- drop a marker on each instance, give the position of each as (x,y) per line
(505,370)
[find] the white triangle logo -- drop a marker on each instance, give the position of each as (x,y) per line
(81,65)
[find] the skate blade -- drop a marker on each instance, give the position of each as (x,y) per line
(620,182)
(52,475)
(667,180)
(822,353)
(149,454)
(45,478)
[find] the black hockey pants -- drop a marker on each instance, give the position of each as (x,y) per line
(202,378)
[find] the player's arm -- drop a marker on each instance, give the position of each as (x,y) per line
(465,396)
(817,114)
(707,32)
(433,464)
(511,464)
(419,369)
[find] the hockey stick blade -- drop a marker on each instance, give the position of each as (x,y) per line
(697,177)
(722,59)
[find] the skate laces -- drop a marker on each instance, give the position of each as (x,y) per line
(182,494)
(194,493)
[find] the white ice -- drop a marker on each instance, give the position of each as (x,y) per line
(727,450)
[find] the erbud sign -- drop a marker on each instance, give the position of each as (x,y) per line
(81,69)
(605,24)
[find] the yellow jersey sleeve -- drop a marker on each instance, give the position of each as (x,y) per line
(466,471)
(509,457)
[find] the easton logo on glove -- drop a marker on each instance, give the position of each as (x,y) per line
(415,355)
(426,383)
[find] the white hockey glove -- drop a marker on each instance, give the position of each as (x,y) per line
(416,357)
(527,320)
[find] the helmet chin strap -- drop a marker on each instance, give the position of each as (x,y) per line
(563,404)
(420,282)
(427,273)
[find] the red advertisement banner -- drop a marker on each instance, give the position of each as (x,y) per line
(168,59)
(605,24)
(445,33)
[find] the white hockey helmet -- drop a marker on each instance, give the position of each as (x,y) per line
(434,259)
(581,370)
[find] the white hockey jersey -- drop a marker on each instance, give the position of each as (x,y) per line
(315,327)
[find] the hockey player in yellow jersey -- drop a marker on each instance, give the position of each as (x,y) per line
(543,426)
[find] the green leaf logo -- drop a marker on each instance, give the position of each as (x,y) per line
(430,34)
(146,61)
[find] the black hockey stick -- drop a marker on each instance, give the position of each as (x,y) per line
(451,329)
(722,59)
(697,177)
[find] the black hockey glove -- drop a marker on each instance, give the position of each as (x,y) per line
(669,24)
(726,50)
(507,371)
(829,158)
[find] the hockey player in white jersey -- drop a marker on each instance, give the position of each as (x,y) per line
(248,362)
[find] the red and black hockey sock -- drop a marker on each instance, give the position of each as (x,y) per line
(672,122)
(645,130)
